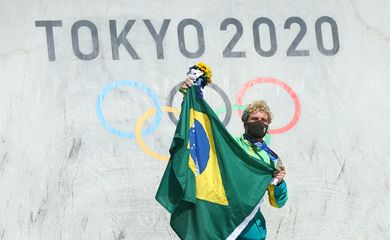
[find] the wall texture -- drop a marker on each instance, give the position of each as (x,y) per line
(76,76)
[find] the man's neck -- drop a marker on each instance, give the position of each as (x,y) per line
(255,139)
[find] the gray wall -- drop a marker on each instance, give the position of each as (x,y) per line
(65,174)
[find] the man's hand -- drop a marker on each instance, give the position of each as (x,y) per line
(187,83)
(280,173)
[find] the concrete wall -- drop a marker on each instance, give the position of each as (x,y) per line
(70,167)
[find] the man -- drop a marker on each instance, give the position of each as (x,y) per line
(256,118)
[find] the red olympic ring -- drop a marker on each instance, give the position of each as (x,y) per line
(281,84)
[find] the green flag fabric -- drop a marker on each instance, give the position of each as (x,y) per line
(211,186)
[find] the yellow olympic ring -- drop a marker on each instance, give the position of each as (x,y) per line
(138,131)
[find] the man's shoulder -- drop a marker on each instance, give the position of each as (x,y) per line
(242,141)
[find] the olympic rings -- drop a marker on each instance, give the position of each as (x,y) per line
(283,85)
(138,135)
(133,84)
(228,105)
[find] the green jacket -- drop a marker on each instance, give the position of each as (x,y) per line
(277,195)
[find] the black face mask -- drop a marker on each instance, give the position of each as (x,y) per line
(255,129)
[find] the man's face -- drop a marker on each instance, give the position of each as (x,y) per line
(258,116)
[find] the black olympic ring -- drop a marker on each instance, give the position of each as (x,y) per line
(225,98)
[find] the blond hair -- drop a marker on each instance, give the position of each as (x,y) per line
(258,105)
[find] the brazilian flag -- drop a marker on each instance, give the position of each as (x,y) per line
(211,186)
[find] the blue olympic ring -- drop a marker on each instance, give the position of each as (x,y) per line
(133,84)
